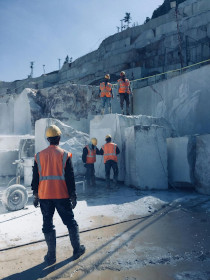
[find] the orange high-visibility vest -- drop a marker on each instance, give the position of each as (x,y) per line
(91,156)
(105,90)
(51,163)
(110,152)
(124,86)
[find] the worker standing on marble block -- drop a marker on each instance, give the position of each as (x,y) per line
(124,91)
(89,158)
(105,92)
(53,187)
(110,151)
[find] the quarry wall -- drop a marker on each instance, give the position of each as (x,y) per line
(143,50)
(183,101)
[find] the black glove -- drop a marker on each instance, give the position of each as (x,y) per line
(85,165)
(73,200)
(36,201)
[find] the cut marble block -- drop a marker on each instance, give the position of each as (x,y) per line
(146,157)
(181,161)
(202,164)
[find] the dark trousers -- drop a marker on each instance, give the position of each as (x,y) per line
(124,97)
(90,173)
(63,206)
(108,165)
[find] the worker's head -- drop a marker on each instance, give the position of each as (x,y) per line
(122,74)
(53,134)
(107,77)
(108,138)
(94,141)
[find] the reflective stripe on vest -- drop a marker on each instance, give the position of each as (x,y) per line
(42,178)
(110,152)
(91,156)
(105,90)
(124,86)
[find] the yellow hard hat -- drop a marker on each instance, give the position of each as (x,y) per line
(122,73)
(107,76)
(108,136)
(53,131)
(94,141)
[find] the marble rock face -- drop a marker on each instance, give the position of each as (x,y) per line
(202,164)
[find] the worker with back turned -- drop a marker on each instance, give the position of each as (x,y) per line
(110,151)
(53,186)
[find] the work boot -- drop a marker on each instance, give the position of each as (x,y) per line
(108,182)
(87,183)
(115,182)
(127,111)
(122,111)
(102,111)
(78,249)
(50,239)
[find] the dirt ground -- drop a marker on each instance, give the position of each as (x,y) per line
(171,243)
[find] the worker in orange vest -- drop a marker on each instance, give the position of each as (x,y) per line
(89,158)
(105,92)
(124,91)
(110,151)
(53,187)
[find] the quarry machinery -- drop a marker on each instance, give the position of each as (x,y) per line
(14,195)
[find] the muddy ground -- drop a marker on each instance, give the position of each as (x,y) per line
(170,241)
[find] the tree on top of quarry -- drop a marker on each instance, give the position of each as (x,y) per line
(127,18)
(164,8)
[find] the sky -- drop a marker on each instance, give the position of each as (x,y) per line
(44,31)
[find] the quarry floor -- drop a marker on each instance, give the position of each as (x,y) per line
(129,234)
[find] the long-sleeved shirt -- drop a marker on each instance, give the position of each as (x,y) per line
(85,153)
(69,178)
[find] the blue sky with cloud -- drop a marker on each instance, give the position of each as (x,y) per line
(45,30)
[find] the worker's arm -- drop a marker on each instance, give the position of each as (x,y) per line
(101,151)
(97,151)
(118,86)
(84,154)
(35,179)
(69,178)
(117,150)
(112,93)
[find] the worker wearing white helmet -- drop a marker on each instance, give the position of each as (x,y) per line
(53,186)
(89,158)
(105,92)
(110,151)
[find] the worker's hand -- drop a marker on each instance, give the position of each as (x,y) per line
(73,201)
(85,165)
(36,200)
(112,96)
